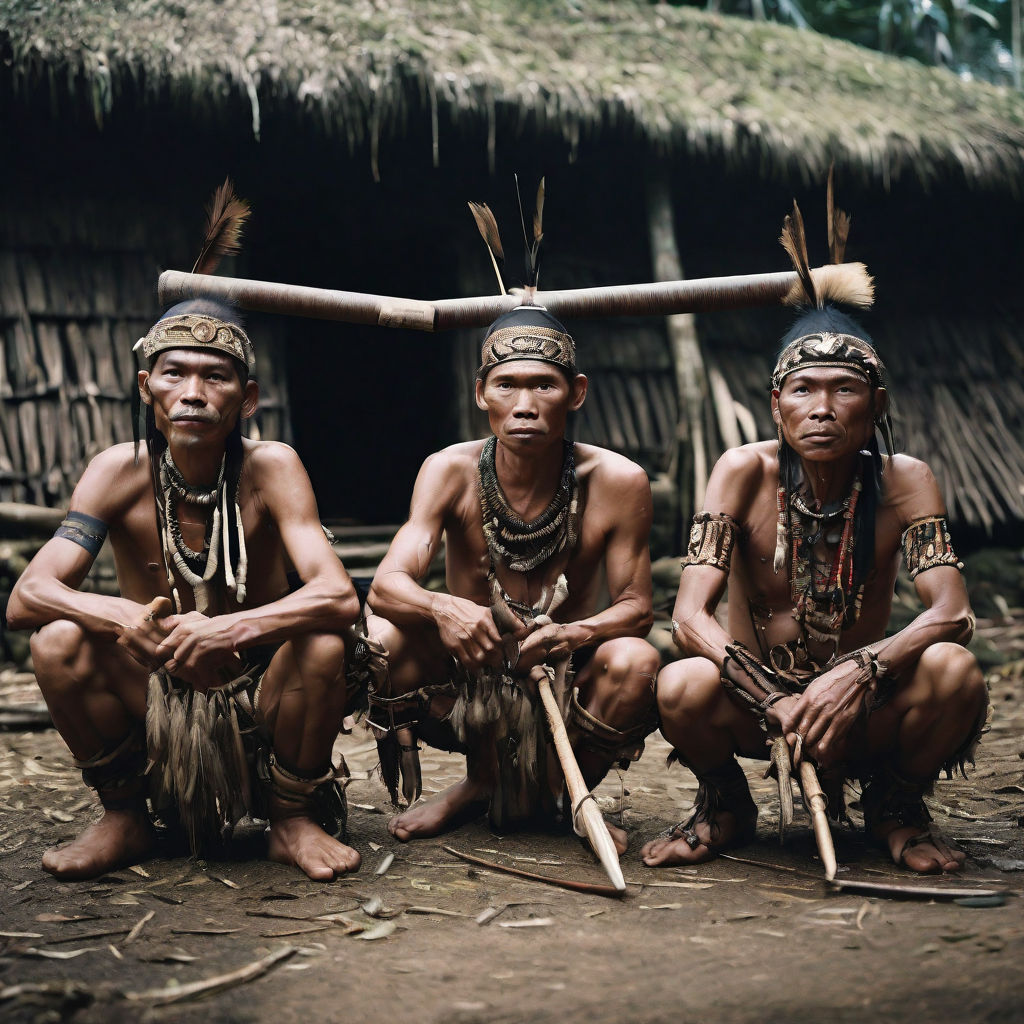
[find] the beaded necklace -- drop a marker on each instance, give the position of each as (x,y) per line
(522,546)
(198,568)
(823,600)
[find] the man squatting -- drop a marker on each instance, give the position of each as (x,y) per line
(533,525)
(807,534)
(241,676)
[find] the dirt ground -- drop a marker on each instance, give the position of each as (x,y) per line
(727,941)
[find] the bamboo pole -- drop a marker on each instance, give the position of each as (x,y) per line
(650,299)
(690,461)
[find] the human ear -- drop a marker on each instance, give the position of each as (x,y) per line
(881,401)
(776,415)
(144,392)
(579,392)
(251,399)
(481,402)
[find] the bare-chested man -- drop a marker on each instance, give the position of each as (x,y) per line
(237,672)
(807,534)
(534,526)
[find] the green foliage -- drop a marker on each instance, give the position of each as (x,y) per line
(974,40)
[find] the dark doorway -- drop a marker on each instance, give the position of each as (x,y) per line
(367,407)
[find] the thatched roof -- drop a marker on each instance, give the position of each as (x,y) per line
(681,80)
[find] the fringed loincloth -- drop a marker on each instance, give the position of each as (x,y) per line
(492,711)
(207,753)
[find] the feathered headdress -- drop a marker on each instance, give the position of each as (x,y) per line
(528,331)
(825,336)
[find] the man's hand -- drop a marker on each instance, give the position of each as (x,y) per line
(545,644)
(145,631)
(197,647)
(467,631)
(817,723)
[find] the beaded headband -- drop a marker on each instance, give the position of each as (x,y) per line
(828,349)
(198,330)
(527,332)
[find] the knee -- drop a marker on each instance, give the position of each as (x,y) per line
(56,650)
(322,658)
(954,677)
(629,662)
(688,688)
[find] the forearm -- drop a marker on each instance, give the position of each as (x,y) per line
(945,623)
(628,616)
(698,634)
(313,608)
(34,603)
(399,598)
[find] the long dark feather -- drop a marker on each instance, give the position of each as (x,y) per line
(794,241)
(525,242)
(838,221)
(538,215)
(488,228)
(538,235)
(226,215)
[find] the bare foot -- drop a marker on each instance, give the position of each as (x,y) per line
(712,838)
(117,839)
(301,841)
(457,804)
(619,838)
(921,851)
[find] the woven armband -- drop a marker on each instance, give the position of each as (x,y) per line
(757,686)
(926,544)
(711,540)
(86,531)
(870,668)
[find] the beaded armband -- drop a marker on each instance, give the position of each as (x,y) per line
(926,544)
(85,530)
(711,540)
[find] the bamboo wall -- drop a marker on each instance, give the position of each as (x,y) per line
(77,290)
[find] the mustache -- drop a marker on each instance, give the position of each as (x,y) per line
(204,415)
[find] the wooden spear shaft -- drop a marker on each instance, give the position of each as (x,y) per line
(583,804)
(814,798)
(656,298)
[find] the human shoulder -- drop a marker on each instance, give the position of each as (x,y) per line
(458,460)
(739,475)
(445,480)
(113,482)
(269,457)
(749,461)
(911,489)
(606,469)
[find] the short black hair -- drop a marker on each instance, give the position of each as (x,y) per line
(819,321)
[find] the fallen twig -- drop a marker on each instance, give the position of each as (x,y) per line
(177,993)
(914,891)
(562,883)
(134,933)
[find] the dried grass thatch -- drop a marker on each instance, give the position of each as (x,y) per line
(681,80)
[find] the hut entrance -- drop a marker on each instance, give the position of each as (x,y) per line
(367,407)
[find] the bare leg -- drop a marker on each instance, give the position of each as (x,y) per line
(416,658)
(302,703)
(96,694)
(616,688)
(925,723)
(465,800)
(707,729)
